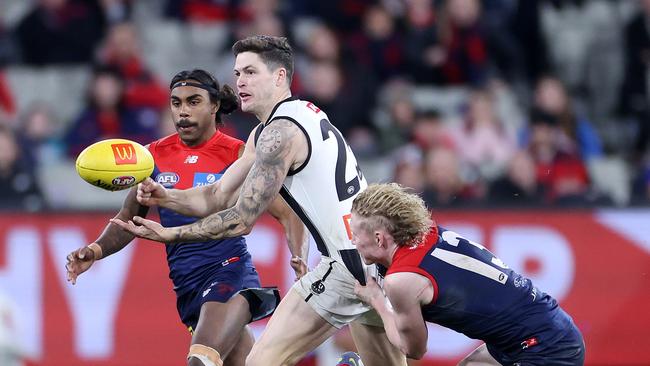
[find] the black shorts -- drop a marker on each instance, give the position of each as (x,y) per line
(567,351)
(220,286)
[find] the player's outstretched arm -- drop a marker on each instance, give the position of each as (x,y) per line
(197,202)
(277,149)
(203,200)
(112,240)
(296,233)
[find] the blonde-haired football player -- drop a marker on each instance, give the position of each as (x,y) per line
(457,283)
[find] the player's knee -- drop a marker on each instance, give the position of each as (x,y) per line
(201,355)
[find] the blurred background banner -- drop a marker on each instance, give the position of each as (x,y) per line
(596,263)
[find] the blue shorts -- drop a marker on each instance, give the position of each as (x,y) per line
(569,350)
(219,286)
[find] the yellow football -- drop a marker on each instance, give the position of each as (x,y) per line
(114,164)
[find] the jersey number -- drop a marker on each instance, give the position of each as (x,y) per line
(344,189)
(454,239)
(469,263)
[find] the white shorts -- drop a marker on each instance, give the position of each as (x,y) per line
(329,289)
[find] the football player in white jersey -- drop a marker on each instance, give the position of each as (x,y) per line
(296,151)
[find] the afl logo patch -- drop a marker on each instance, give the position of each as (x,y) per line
(168,179)
(318,287)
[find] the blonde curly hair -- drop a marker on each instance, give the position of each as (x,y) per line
(403,214)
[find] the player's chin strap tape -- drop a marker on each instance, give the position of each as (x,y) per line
(208,355)
(198,85)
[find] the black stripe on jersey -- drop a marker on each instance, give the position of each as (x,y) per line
(275,108)
(320,243)
(258,132)
(304,164)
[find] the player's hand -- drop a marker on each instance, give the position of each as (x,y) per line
(369,293)
(151,193)
(299,266)
(147,229)
(78,262)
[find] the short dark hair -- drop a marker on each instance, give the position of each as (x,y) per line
(224,95)
(274,51)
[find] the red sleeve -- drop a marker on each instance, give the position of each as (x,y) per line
(408,259)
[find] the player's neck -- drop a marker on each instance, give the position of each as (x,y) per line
(390,255)
(264,115)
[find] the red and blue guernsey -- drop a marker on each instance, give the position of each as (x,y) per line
(206,271)
(476,294)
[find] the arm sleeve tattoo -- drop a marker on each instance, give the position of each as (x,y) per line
(274,156)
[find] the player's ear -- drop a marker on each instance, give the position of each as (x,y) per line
(281,77)
(378,238)
(215,108)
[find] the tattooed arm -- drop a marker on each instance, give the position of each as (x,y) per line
(203,200)
(281,145)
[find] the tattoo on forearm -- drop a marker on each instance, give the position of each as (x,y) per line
(260,187)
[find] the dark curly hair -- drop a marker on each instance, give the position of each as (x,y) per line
(224,95)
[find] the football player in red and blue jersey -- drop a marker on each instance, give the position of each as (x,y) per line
(457,283)
(217,287)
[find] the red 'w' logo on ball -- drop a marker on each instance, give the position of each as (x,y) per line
(124,154)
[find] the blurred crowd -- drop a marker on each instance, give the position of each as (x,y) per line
(470,102)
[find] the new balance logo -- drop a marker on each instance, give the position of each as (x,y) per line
(206,292)
(191,159)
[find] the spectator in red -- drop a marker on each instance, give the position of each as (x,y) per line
(107,116)
(121,49)
(60,32)
(559,169)
(343,15)
(552,98)
(466,58)
(379,48)
(199,11)
(425,54)
(7,103)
